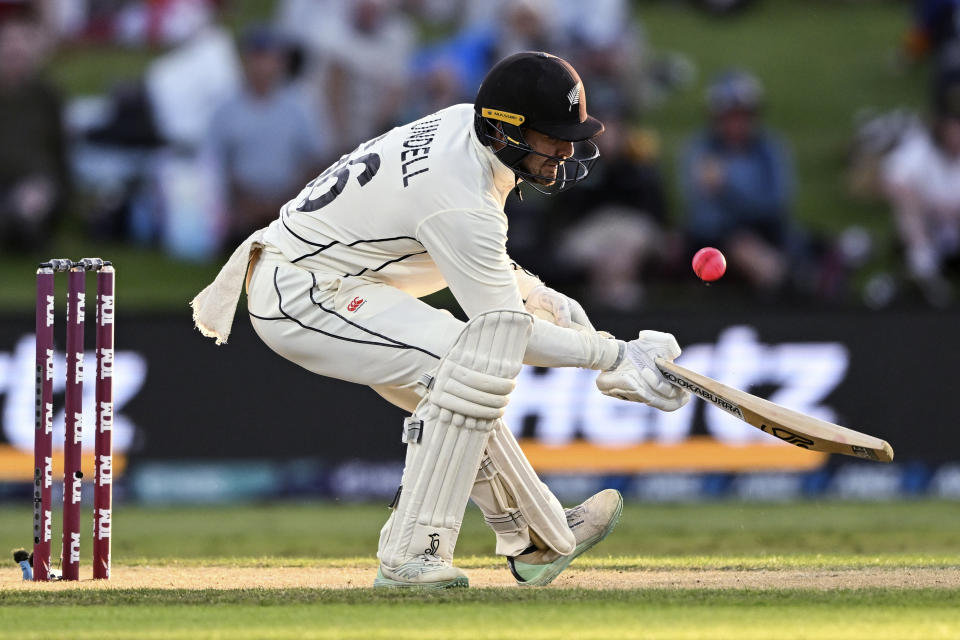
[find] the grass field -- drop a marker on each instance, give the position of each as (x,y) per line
(728,570)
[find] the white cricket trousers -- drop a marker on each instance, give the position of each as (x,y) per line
(351,328)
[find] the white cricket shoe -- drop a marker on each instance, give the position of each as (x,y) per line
(426,571)
(590,522)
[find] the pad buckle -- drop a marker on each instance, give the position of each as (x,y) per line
(487,471)
(509,522)
(412,430)
(426,381)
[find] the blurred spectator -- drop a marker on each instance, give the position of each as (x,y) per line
(33,173)
(601,39)
(265,142)
(616,218)
(358,62)
(128,22)
(451,70)
(172,103)
(523,25)
(186,84)
(161,22)
(876,134)
(936,23)
(922,177)
(141,158)
(736,180)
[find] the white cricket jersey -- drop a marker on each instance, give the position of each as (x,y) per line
(419,208)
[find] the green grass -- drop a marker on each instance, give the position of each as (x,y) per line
(486,613)
(715,536)
(755,562)
(820,62)
(714,530)
(147,279)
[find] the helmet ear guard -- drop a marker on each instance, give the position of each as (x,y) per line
(515,147)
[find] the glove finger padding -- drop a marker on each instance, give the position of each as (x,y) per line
(672,403)
(651,345)
(657,382)
(616,384)
(561,310)
(579,316)
(629,384)
(554,307)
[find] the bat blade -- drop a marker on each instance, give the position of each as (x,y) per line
(790,426)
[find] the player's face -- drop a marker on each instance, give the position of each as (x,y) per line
(538,165)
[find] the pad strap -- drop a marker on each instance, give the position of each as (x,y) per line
(505,484)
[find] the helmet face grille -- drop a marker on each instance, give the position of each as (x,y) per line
(515,148)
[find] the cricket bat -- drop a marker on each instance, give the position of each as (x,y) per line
(790,426)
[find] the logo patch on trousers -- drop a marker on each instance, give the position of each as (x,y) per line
(355,304)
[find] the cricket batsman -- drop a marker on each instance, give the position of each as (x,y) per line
(333,284)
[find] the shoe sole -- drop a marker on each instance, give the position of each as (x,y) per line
(558,565)
(380,582)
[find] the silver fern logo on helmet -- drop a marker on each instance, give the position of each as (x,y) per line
(573,96)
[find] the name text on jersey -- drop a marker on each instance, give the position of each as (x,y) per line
(416,148)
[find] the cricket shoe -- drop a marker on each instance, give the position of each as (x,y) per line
(426,571)
(590,522)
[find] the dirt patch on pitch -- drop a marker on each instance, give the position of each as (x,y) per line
(355,577)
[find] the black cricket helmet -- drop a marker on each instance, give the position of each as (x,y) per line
(542,92)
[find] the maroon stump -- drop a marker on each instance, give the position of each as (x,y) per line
(103,447)
(43,434)
(73,417)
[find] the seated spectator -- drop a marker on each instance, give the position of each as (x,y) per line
(451,70)
(736,179)
(134,23)
(358,58)
(936,23)
(33,173)
(265,141)
(603,40)
(922,177)
(616,218)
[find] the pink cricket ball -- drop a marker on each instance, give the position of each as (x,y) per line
(709,264)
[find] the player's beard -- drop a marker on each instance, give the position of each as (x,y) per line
(546,174)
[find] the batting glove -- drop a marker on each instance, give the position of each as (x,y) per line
(637,377)
(554,307)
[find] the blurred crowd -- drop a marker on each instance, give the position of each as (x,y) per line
(921,171)
(223,127)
